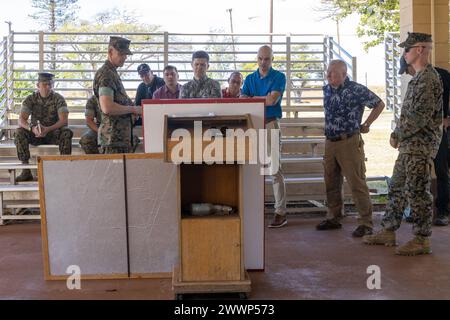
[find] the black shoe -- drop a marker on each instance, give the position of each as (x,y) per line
(25,176)
(278,221)
(328,225)
(441,221)
(362,231)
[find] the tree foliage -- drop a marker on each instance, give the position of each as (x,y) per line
(377,17)
(222,55)
(53,14)
(22,88)
(86,53)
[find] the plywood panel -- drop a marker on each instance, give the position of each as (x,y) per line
(211,249)
(217,184)
(84,214)
(152,215)
(204,147)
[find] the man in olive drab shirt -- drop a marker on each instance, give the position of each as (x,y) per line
(116,127)
(49,119)
(201,86)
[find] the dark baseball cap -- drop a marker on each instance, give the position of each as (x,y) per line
(120,44)
(415,37)
(45,77)
(143,68)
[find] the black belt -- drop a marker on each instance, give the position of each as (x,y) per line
(342,136)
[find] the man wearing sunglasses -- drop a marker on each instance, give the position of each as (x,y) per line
(442,157)
(417,137)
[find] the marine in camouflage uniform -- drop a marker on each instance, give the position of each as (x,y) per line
(89,140)
(417,135)
(44,112)
(201,86)
(115,131)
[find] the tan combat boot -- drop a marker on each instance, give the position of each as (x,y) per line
(25,176)
(418,245)
(383,237)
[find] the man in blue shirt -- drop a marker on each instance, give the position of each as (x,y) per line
(344,103)
(270,84)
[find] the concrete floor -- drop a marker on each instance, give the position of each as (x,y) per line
(301,263)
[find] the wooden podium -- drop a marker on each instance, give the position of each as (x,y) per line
(211,257)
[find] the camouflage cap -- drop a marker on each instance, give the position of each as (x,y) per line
(415,37)
(45,77)
(120,44)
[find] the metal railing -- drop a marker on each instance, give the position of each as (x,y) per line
(75,57)
(393,79)
(3,76)
(332,50)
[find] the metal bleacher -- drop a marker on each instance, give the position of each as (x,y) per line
(303,58)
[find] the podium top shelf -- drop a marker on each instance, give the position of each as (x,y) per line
(201,101)
(243,121)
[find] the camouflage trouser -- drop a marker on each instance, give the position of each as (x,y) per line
(410,184)
(61,137)
(136,142)
(114,150)
(89,142)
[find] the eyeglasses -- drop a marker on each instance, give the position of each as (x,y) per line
(409,48)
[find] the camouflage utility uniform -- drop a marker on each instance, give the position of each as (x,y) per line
(203,88)
(419,133)
(115,132)
(44,110)
(89,140)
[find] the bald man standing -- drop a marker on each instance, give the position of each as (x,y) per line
(270,84)
(344,103)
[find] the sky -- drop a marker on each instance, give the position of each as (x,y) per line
(249,16)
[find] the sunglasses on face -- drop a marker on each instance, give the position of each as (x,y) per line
(409,48)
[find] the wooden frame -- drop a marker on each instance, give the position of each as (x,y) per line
(45,236)
(193,282)
(243,121)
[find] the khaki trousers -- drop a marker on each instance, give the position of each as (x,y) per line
(279,188)
(345,158)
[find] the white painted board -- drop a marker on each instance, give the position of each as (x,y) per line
(86,225)
(152,215)
(86,216)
